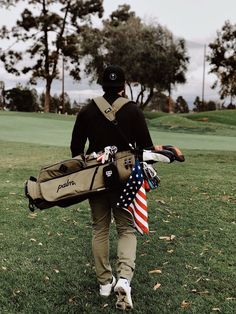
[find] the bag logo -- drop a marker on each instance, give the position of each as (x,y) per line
(65,185)
(108,173)
(107,110)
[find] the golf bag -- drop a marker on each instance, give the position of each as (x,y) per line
(74,180)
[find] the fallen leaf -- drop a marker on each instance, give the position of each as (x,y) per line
(33,240)
(200,292)
(4,268)
(32,215)
(185,304)
(16,291)
(105,305)
(56,271)
(200,278)
(40,244)
(170,251)
(155,271)
(217,309)
(167,238)
(73,300)
(161,202)
(230,298)
(46,278)
(157,286)
(169,211)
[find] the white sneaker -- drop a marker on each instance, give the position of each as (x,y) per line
(123,293)
(105,290)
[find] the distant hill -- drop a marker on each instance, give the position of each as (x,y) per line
(213,122)
(218,116)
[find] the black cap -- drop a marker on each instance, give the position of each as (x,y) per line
(113,76)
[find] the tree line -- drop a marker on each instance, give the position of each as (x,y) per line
(154,60)
(22,98)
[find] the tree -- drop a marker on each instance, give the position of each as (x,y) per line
(222,58)
(159,102)
(210,105)
(21,99)
(197,104)
(181,105)
(2,94)
(204,106)
(151,58)
(49,29)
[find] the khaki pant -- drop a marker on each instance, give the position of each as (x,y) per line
(102,207)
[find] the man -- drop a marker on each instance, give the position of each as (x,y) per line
(91,125)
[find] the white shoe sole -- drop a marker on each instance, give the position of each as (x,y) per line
(123,302)
(107,293)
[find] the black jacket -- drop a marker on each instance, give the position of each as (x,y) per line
(91,125)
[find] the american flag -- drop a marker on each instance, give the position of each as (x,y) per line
(133,199)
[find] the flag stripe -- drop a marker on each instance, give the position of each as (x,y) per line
(140,211)
(142,204)
(138,217)
(141,197)
(133,199)
(135,220)
(138,225)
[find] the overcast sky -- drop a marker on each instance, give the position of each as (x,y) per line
(195,21)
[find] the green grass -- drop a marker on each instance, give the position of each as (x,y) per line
(46,262)
(181,124)
(46,265)
(221,123)
(52,129)
(49,129)
(223,116)
(218,116)
(195,141)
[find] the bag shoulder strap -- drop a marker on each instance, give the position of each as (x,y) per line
(109,111)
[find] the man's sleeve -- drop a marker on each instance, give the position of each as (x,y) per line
(143,138)
(79,136)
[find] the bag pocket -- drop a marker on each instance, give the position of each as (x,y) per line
(61,168)
(124,162)
(81,182)
(111,177)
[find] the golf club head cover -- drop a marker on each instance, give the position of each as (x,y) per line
(161,156)
(178,155)
(176,151)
